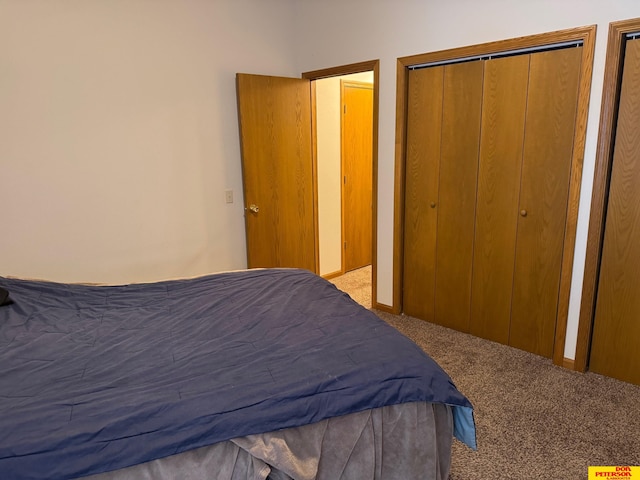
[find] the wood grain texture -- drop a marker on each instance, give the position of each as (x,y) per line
(399,178)
(503,115)
(275,132)
(366,66)
(537,40)
(604,155)
(314,173)
(424,131)
(585,34)
(573,204)
(456,205)
(357,135)
(548,147)
(616,333)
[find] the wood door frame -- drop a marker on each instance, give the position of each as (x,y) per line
(587,36)
(366,66)
(602,176)
(344,84)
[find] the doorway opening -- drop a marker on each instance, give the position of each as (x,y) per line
(344,124)
(340,230)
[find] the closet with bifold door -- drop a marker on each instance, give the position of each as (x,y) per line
(616,328)
(489,145)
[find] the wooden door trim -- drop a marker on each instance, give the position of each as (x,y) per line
(587,36)
(602,175)
(314,174)
(356,84)
(366,66)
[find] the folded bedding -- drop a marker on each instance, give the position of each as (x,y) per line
(98,378)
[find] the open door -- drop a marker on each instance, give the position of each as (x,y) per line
(274,114)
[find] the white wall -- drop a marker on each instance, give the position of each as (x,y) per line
(329,191)
(328,115)
(335,32)
(119,133)
(118,124)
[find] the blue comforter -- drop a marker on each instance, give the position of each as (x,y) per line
(94,378)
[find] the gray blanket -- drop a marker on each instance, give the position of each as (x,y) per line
(398,442)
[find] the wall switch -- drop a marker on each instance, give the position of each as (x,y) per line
(228,196)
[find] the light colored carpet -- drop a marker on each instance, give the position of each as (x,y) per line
(534,420)
(357,284)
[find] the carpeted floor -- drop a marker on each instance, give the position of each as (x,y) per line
(534,420)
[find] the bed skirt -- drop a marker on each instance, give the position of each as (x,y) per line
(403,442)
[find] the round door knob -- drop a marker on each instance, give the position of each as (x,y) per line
(433,204)
(523,212)
(254,208)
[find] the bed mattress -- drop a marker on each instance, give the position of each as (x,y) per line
(98,378)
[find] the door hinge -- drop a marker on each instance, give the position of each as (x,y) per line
(344,108)
(344,179)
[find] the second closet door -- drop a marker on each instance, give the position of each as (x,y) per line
(616,330)
(528,121)
(546,170)
(443,131)
(456,205)
(503,121)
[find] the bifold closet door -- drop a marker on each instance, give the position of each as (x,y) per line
(424,134)
(616,331)
(552,101)
(487,185)
(443,132)
(504,107)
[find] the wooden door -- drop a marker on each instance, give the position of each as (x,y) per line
(456,205)
(275,135)
(503,113)
(443,131)
(424,131)
(616,331)
(357,173)
(546,167)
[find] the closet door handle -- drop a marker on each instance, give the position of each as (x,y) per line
(523,212)
(433,205)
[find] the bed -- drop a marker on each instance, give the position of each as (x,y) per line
(256,374)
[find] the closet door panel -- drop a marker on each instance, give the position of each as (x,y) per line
(462,106)
(616,333)
(548,148)
(421,190)
(503,114)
